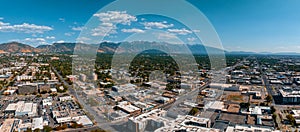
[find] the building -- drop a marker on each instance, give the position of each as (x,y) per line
(124,88)
(21,108)
(82,77)
(24,78)
(44,88)
(226,87)
(83,120)
(190,124)
(65,98)
(128,108)
(244,128)
(289,95)
(153,119)
(95,76)
(37,123)
(8,125)
(47,102)
(61,116)
(27,89)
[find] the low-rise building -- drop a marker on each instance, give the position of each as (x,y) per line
(290,96)
(21,108)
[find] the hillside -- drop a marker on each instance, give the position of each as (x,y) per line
(106,47)
(15,47)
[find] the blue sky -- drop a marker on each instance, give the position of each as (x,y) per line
(248,25)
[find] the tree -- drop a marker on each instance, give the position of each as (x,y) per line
(273,110)
(193,111)
(291,119)
(47,129)
(37,130)
(244,105)
(98,130)
(269,99)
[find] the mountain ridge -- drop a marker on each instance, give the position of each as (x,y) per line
(110,47)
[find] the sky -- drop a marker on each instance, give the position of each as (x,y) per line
(248,25)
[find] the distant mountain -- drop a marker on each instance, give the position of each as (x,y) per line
(286,53)
(65,47)
(241,53)
(123,47)
(14,47)
(126,47)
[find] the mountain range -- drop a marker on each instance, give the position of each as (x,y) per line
(110,47)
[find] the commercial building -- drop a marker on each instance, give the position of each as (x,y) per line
(244,128)
(8,125)
(65,98)
(128,108)
(37,123)
(27,88)
(47,102)
(153,119)
(189,124)
(290,95)
(21,108)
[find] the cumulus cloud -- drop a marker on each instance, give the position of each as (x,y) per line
(109,20)
(35,41)
(24,28)
(133,30)
(115,17)
(182,31)
(159,25)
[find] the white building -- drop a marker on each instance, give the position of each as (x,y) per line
(189,124)
(243,128)
(21,108)
(37,123)
(83,120)
(47,102)
(65,98)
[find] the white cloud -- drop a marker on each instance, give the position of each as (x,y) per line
(60,41)
(182,31)
(160,25)
(50,37)
(35,41)
(133,30)
(24,28)
(1,18)
(109,20)
(115,17)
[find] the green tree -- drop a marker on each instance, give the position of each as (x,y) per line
(47,129)
(291,119)
(269,99)
(194,111)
